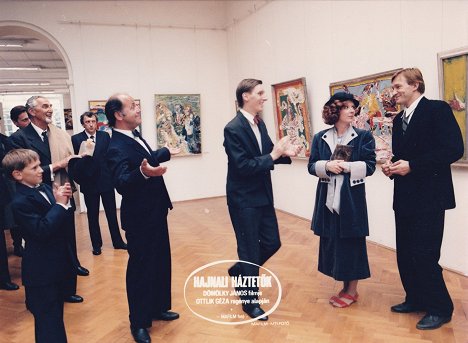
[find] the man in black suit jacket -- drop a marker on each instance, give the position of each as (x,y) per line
(43,215)
(5,279)
(426,140)
(251,157)
(35,137)
(137,176)
(95,182)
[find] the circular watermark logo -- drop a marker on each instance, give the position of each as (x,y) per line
(214,295)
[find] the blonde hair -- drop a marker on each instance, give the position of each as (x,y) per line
(412,76)
(18,159)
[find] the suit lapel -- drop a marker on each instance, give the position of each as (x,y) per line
(249,132)
(414,122)
(133,143)
(36,195)
(36,142)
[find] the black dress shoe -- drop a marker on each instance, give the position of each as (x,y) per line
(405,308)
(431,322)
(96,252)
(122,246)
(167,316)
(18,250)
(73,299)
(255,312)
(9,286)
(82,271)
(140,335)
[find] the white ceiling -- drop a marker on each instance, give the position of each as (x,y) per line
(34,53)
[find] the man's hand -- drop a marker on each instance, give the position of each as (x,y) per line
(386,168)
(151,171)
(292,149)
(400,167)
(62,194)
(279,148)
(334,166)
(173,150)
(62,164)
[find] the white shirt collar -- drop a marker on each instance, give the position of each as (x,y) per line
(38,129)
(89,136)
(410,110)
(128,133)
(248,116)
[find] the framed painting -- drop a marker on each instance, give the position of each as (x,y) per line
(291,112)
(377,108)
(67,114)
(98,107)
(178,122)
(453,85)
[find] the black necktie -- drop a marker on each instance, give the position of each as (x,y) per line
(42,188)
(137,134)
(45,138)
(92,138)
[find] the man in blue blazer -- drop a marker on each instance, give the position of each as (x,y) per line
(251,156)
(426,139)
(35,137)
(138,177)
(94,177)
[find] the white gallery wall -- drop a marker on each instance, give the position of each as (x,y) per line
(328,41)
(163,47)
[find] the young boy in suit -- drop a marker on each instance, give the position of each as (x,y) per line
(42,213)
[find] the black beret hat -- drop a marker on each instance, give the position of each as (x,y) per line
(342,96)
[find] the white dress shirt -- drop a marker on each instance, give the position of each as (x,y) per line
(39,132)
(408,114)
(254,127)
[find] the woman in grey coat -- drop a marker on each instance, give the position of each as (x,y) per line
(340,213)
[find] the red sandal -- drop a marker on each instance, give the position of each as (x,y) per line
(337,302)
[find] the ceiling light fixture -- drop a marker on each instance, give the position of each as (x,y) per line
(25,84)
(19,68)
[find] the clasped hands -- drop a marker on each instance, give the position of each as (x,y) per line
(337,166)
(285,147)
(400,167)
(62,194)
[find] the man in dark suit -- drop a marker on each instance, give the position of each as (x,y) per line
(19,117)
(426,140)
(95,182)
(43,214)
(5,279)
(35,136)
(251,157)
(137,176)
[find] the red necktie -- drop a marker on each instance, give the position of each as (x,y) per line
(257,119)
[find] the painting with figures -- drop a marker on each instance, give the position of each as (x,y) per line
(377,108)
(178,122)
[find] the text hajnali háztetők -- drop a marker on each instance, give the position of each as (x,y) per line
(233,281)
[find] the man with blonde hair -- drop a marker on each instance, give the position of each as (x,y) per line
(426,139)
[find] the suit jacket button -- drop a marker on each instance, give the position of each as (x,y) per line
(325,136)
(361,180)
(354,181)
(352,135)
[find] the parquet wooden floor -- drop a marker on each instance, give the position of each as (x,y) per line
(201,233)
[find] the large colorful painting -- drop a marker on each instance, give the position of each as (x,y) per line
(453,71)
(178,122)
(377,108)
(98,107)
(291,110)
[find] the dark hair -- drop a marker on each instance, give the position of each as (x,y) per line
(412,76)
(89,115)
(331,112)
(16,111)
(114,104)
(18,159)
(244,86)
